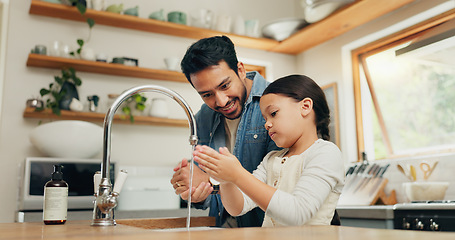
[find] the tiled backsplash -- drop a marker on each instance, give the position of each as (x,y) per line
(443,172)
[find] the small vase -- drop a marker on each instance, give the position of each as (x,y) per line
(158,108)
(70,93)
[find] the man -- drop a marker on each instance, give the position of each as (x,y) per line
(230,117)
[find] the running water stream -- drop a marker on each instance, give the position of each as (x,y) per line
(188,218)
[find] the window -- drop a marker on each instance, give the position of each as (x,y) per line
(404,88)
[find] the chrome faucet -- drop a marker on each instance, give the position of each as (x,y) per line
(106,198)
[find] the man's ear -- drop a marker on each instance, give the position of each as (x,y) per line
(306,105)
(241,70)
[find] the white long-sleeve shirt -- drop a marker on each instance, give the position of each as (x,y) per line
(308,185)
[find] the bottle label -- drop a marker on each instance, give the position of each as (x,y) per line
(55,203)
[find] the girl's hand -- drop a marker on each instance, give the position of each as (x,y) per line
(221,165)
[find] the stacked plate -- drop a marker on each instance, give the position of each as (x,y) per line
(316,10)
(283,28)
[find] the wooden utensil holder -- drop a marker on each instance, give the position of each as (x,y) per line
(381,198)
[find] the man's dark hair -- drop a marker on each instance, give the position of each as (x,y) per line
(209,52)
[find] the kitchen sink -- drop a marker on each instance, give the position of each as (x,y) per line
(170,224)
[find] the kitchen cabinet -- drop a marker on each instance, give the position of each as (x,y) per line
(377,216)
(339,22)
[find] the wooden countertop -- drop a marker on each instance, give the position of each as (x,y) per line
(83,230)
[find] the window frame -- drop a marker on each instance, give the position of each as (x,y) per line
(359,54)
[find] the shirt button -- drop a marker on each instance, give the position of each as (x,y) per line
(210,134)
(255,136)
(274,183)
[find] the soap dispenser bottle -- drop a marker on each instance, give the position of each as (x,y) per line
(55,198)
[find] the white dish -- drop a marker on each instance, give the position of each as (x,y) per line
(425,191)
(68,139)
(283,28)
(321,9)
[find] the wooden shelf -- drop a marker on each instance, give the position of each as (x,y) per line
(36,60)
(341,21)
(144,24)
(99,117)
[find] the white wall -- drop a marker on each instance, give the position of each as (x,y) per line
(132,145)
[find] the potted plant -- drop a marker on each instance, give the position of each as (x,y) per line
(137,101)
(81,6)
(61,92)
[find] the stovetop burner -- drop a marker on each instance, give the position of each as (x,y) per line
(435,201)
(425,215)
(424,205)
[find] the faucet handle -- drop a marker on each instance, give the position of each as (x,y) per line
(96,182)
(121,178)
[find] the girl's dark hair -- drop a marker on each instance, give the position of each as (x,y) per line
(209,52)
(299,87)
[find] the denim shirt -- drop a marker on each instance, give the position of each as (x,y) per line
(251,145)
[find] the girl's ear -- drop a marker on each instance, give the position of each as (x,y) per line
(306,106)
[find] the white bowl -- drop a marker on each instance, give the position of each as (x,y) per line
(322,9)
(283,28)
(425,191)
(68,139)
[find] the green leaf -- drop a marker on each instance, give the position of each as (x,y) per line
(56,110)
(137,98)
(90,22)
(56,95)
(44,91)
(131,118)
(77,81)
(80,42)
(59,80)
(140,106)
(81,8)
(126,110)
(72,53)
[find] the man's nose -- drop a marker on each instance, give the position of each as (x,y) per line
(221,99)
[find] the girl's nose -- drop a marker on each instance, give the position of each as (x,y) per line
(267,125)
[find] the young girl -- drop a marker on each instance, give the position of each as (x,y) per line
(298,185)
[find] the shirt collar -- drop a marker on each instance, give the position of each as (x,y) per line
(257,89)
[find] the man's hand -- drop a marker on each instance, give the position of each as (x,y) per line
(180,182)
(199,194)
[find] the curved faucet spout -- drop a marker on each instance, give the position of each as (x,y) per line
(125,95)
(106,199)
